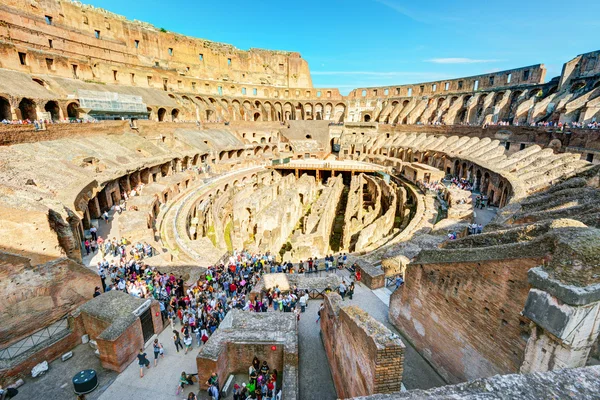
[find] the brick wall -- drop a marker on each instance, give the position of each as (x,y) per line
(371,276)
(118,354)
(465,317)
(368,360)
(237,358)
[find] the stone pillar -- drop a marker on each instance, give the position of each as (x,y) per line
(564,303)
(94,208)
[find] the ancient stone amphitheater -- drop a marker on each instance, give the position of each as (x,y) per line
(237,150)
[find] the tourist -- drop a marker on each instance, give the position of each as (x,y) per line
(237,392)
(87,246)
(158,350)
(187,340)
(7,393)
(192,396)
(143,362)
(105,216)
(264,369)
(399,281)
(213,380)
(185,379)
(321,307)
(357,275)
(342,289)
(351,290)
(213,392)
(177,340)
(97,291)
(93,232)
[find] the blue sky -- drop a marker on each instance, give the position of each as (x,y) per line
(357,43)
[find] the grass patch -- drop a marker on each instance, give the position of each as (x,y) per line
(210,233)
(227,235)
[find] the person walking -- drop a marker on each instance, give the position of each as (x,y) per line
(351,290)
(321,307)
(158,350)
(343,289)
(143,362)
(177,340)
(187,340)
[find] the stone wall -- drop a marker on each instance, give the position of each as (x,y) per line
(464,317)
(276,222)
(38,295)
(241,336)
(313,239)
(576,383)
(382,226)
(370,357)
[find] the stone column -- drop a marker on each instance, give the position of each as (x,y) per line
(564,303)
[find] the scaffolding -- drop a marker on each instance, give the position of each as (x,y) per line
(112,103)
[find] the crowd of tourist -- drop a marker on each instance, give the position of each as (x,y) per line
(194,312)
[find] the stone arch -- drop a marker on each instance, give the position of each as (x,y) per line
(174,114)
(477,185)
(367,118)
(278,111)
(54,110)
(256,116)
(340,112)
(486,183)
(318,111)
(577,86)
(5,109)
(73,110)
(27,109)
(161,114)
(328,111)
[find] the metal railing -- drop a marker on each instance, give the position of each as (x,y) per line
(47,334)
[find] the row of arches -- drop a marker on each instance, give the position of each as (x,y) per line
(29,109)
(486,182)
(211,109)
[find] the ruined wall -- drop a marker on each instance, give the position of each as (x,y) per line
(276,222)
(370,357)
(383,224)
(465,317)
(370,212)
(249,202)
(313,239)
(38,295)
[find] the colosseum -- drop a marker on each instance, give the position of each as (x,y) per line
(162,195)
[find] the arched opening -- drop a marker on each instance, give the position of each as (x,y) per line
(5,111)
(27,108)
(39,81)
(263,140)
(577,86)
(256,116)
(73,110)
(477,186)
(161,114)
(53,109)
(367,118)
(174,114)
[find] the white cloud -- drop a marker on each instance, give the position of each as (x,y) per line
(460,60)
